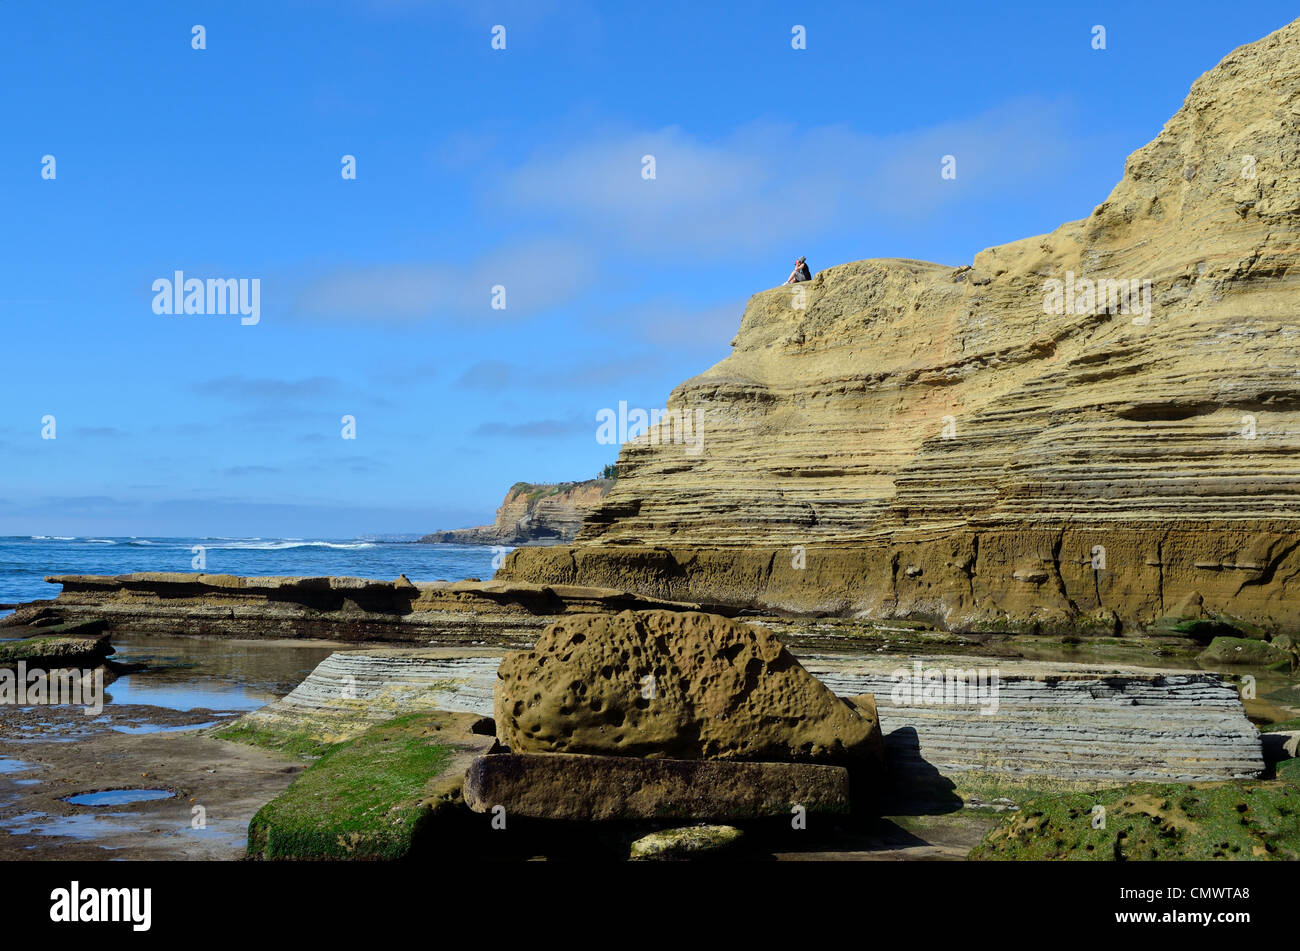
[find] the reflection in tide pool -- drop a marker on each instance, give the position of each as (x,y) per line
(159,728)
(198,695)
(79,826)
(119,797)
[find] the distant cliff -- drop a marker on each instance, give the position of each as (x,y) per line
(533,515)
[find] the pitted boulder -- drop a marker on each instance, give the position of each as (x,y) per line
(680,685)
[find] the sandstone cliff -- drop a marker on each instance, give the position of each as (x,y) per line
(533,514)
(987,449)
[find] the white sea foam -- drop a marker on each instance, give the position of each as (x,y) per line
(288,543)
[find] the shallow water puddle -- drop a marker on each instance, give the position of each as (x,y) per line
(209,695)
(8,765)
(118,797)
(159,728)
(82,826)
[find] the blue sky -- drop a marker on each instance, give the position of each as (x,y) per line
(477,167)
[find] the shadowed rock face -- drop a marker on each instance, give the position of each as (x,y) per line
(980,446)
(598,788)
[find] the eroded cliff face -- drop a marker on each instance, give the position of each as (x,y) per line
(979,446)
(532,514)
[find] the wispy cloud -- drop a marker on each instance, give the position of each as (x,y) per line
(535,277)
(766,182)
(680,325)
(240,471)
(494,375)
(92,432)
(263,389)
(535,429)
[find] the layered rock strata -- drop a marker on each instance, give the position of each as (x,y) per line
(350,691)
(1055,724)
(56,651)
(348,609)
(1081,429)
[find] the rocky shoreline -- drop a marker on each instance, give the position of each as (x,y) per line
(349,609)
(979,496)
(646,676)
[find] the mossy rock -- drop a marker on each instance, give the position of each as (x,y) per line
(690,842)
(371,797)
(1149,821)
(1202,629)
(55,650)
(1100,623)
(295,744)
(1244,651)
(1002,626)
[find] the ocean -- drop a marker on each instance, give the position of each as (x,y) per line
(25,560)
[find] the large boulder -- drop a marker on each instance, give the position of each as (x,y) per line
(680,685)
(620,788)
(1242,650)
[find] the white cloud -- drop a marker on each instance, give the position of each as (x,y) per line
(535,276)
(767,182)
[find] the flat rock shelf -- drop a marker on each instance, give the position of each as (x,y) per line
(1054,725)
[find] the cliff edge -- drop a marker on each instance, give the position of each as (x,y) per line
(548,513)
(1088,429)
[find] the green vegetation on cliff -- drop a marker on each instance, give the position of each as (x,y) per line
(1149,821)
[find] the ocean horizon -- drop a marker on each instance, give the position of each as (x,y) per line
(25,560)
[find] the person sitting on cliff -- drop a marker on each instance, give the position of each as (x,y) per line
(800,272)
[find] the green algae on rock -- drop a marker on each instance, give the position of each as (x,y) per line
(371,797)
(1152,822)
(691,842)
(56,651)
(1243,650)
